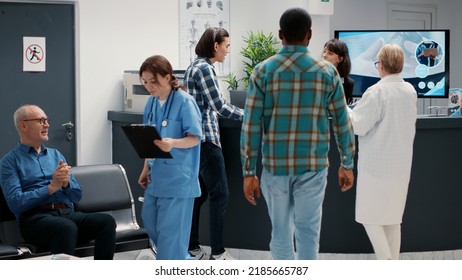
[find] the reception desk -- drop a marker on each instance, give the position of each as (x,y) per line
(433,212)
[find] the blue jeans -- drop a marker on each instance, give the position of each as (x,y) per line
(295,209)
(213,182)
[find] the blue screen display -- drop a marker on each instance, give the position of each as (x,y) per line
(426,62)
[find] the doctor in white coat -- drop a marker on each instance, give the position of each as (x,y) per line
(384,120)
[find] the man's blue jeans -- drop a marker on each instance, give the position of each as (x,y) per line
(295,209)
(213,182)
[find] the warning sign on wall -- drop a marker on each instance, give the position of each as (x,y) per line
(34,54)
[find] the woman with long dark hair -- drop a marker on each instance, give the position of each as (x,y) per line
(336,52)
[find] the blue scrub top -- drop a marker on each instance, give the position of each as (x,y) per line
(176,177)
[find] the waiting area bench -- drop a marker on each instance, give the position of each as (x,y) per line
(105,189)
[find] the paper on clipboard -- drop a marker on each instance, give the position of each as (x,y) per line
(142,137)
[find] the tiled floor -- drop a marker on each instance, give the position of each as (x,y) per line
(242,254)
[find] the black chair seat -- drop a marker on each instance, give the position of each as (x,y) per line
(8,252)
(135,234)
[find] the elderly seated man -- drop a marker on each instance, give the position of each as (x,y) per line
(41,191)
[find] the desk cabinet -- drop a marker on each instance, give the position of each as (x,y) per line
(431,219)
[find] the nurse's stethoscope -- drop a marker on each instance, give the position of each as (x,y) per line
(168,103)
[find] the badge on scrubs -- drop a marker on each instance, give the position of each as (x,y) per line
(164,123)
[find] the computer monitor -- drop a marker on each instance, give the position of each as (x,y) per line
(426,62)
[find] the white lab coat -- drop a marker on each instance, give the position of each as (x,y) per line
(384,120)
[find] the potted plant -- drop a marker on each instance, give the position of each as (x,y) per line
(232,81)
(259,46)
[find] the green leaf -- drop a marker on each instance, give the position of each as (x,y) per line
(259,47)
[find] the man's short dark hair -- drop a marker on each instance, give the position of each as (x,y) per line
(295,24)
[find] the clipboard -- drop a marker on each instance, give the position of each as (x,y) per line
(142,137)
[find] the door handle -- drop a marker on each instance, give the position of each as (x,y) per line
(68,126)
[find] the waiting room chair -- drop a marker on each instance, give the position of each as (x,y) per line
(105,189)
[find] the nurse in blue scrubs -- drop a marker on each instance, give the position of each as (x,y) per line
(170,184)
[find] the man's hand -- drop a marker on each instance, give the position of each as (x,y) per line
(346,179)
(251,189)
(60,178)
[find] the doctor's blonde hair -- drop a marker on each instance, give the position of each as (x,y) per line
(392,58)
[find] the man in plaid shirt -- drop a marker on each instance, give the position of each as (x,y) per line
(289,99)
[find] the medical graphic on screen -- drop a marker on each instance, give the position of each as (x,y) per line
(426,64)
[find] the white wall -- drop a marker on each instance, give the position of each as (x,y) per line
(243,18)
(118,35)
(454,9)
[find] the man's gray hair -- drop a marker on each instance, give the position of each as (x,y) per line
(21,114)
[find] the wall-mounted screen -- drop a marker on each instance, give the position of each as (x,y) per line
(426,62)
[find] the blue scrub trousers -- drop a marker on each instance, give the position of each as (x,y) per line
(168,223)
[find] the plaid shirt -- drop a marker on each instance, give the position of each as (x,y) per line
(202,83)
(289,99)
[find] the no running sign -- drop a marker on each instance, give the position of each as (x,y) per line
(34,54)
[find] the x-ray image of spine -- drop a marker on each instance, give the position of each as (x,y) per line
(193,39)
(195,17)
